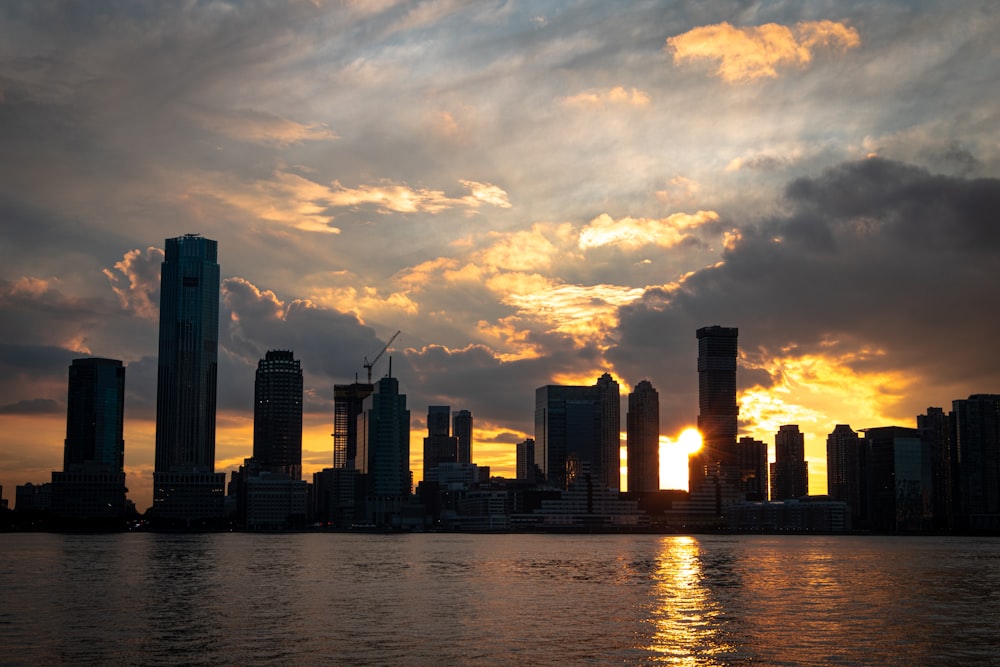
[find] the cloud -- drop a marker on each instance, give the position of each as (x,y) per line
(613,96)
(757,52)
(136,281)
(32,406)
(260,127)
(633,234)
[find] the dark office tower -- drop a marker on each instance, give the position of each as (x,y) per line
(439,445)
(184,479)
(91,485)
(573,427)
(611,432)
(525,460)
(718,410)
(790,470)
(277,414)
(977,439)
(348,401)
(898,480)
(462,430)
(643,438)
(935,430)
(753,468)
(95,410)
(844,480)
(384,432)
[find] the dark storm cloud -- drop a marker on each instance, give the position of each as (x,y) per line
(33,406)
(873,254)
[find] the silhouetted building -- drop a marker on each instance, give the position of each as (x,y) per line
(643,438)
(714,476)
(91,485)
(277,414)
(844,458)
(526,468)
(935,430)
(348,401)
(753,468)
(576,425)
(439,445)
(185,485)
(977,440)
(339,494)
(898,480)
(462,430)
(790,470)
(384,430)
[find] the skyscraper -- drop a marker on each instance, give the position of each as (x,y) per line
(277,415)
(790,470)
(898,480)
(92,482)
(977,440)
(439,445)
(95,416)
(576,425)
(184,480)
(462,430)
(753,468)
(384,430)
(935,429)
(717,407)
(348,402)
(525,460)
(643,438)
(844,456)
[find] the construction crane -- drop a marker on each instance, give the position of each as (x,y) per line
(369,364)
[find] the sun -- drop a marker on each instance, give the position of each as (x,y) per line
(690,440)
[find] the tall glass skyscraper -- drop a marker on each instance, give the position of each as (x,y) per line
(184,482)
(277,414)
(462,430)
(643,438)
(95,411)
(717,407)
(790,470)
(384,431)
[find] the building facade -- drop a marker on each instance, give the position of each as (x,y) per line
(277,415)
(348,402)
(642,439)
(384,430)
(977,443)
(440,446)
(844,460)
(462,430)
(185,485)
(790,470)
(753,468)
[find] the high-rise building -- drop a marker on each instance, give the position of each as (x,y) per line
(844,480)
(277,414)
(440,446)
(753,468)
(935,430)
(574,426)
(643,438)
(977,441)
(790,470)
(185,485)
(718,410)
(384,432)
(898,480)
(92,482)
(462,430)
(525,460)
(348,402)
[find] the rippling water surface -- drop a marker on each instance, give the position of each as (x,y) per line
(447,599)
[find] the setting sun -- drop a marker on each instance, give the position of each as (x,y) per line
(690,441)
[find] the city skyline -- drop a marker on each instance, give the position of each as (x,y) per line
(532,194)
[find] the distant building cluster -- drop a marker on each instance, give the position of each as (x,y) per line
(942,475)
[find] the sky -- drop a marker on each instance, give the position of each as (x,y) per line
(531,192)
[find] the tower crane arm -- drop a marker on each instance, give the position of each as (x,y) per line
(368,364)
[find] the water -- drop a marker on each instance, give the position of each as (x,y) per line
(451,599)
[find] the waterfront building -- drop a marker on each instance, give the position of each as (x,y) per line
(462,430)
(753,468)
(277,416)
(845,456)
(348,402)
(577,425)
(790,470)
(384,433)
(935,430)
(185,485)
(526,469)
(898,480)
(977,441)
(440,446)
(643,438)
(91,485)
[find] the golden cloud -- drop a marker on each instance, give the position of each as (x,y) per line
(634,233)
(756,52)
(390,197)
(614,96)
(261,127)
